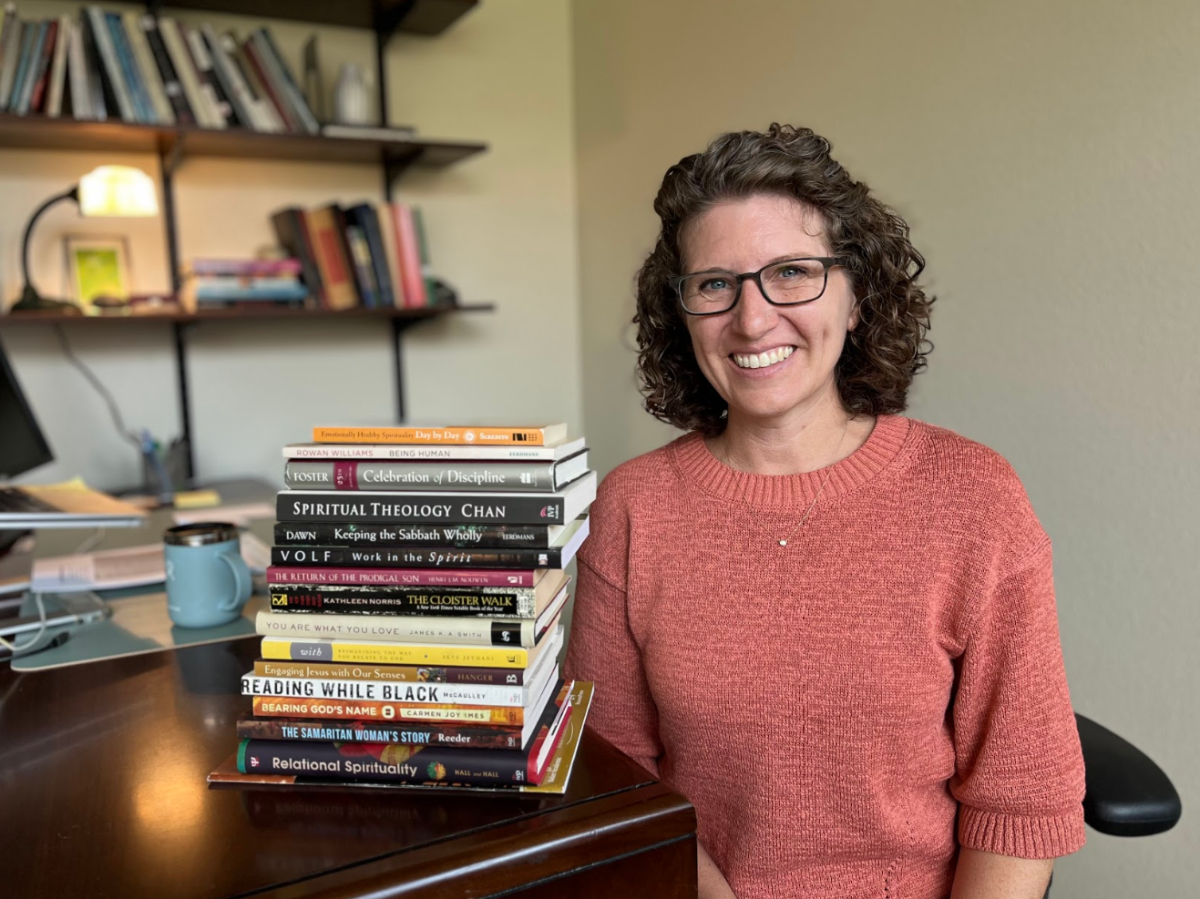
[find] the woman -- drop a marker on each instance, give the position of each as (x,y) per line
(830,627)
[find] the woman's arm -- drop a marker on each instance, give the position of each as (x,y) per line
(986,875)
(712,882)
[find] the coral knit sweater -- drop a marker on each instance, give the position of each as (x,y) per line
(846,711)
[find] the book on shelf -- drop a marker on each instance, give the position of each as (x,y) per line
(402,476)
(292,232)
(328,240)
(368,132)
(146,69)
(560,507)
(10,51)
(172,85)
(56,79)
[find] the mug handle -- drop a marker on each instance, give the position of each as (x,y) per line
(241,582)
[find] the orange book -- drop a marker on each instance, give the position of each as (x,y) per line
(373,710)
(538,435)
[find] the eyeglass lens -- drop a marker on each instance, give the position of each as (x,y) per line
(793,281)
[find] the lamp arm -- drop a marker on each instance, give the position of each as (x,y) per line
(72,194)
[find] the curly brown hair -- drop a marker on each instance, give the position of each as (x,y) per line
(887,347)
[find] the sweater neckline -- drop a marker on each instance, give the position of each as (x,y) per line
(700,467)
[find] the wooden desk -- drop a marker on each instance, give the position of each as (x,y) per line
(103,794)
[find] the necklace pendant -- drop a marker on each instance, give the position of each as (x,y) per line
(783,543)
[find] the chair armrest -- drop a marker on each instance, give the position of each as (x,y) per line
(1127,794)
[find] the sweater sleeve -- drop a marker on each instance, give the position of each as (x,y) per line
(1019,776)
(602,646)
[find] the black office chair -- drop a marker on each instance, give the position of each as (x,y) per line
(1127,795)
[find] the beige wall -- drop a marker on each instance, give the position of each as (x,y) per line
(1045,155)
(501,228)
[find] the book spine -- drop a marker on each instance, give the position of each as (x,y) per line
(138,98)
(409,253)
(270,707)
(396,673)
(270,89)
(454,508)
(171,84)
(292,235)
(244,268)
(268,115)
(43,52)
(198,98)
(387,536)
(232,87)
(282,73)
(10,52)
(454,436)
(360,258)
(364,652)
(79,88)
(433,452)
(417,557)
(283,571)
(331,258)
(102,97)
(458,735)
(306,599)
(461,630)
(350,474)
(369,222)
(58,69)
(425,766)
(206,289)
(383,691)
(147,69)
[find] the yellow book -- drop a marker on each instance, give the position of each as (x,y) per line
(365,652)
(539,435)
(375,710)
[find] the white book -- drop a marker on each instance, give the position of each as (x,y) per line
(549,453)
(77,75)
(58,68)
(108,59)
(143,59)
(202,103)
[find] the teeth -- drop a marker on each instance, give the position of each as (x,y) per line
(762,360)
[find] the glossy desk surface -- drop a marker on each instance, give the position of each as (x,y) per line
(103,794)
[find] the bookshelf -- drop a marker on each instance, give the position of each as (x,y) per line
(173,145)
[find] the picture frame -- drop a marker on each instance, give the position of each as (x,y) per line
(97,266)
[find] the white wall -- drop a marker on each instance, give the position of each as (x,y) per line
(501,228)
(1045,155)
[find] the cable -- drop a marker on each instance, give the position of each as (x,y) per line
(12,645)
(99,388)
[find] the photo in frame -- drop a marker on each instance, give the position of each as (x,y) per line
(97,266)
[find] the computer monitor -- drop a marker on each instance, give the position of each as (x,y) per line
(23,446)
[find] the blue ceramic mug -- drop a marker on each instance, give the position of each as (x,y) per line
(208,583)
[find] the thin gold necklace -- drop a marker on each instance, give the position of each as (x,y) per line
(821,489)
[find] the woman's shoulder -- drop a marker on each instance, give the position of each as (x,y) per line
(643,476)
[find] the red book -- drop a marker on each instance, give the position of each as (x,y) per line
(329,246)
(408,249)
(417,577)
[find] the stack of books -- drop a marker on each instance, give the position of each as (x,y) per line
(371,255)
(209,283)
(416,592)
(141,68)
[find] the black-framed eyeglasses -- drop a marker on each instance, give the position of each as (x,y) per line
(791,282)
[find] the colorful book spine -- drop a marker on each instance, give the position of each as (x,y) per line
(442,556)
(384,691)
(269,706)
(395,673)
(432,452)
(30,32)
(501,436)
(415,601)
(142,109)
(351,474)
(10,52)
(488,737)
(56,80)
(460,630)
(172,84)
(367,652)
(390,536)
(284,573)
(386,762)
(146,69)
(291,231)
(35,84)
(409,254)
(200,98)
(282,74)
(428,508)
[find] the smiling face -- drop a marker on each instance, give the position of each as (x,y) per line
(773,365)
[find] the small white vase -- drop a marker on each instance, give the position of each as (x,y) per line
(350,100)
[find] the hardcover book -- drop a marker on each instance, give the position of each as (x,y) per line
(402,476)
(559,507)
(445,553)
(370,652)
(282,574)
(551,451)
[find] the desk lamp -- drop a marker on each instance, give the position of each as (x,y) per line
(110,190)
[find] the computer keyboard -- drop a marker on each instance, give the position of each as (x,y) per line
(14,501)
